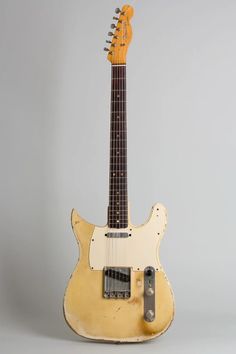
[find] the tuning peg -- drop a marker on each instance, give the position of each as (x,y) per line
(106,49)
(115,18)
(113,26)
(117,10)
(110,34)
(108,41)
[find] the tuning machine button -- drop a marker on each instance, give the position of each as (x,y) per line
(115,18)
(110,34)
(108,41)
(106,49)
(113,26)
(117,10)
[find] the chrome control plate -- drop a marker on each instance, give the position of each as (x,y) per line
(149,294)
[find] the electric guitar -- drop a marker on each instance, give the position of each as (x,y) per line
(118,291)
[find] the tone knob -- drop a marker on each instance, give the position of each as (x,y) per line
(149,315)
(149,291)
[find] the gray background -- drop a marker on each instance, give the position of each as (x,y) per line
(54,110)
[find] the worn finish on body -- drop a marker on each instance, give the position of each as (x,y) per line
(90,315)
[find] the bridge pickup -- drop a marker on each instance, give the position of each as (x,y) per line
(116,283)
(118,275)
(117,234)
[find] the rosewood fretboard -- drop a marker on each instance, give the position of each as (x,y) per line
(118,196)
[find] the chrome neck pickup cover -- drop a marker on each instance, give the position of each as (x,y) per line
(117,234)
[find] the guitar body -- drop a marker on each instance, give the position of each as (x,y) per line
(86,310)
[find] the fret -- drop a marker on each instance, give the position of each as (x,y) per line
(118,164)
(121,113)
(121,196)
(120,217)
(118,112)
(119,183)
(118,78)
(117,156)
(119,148)
(120,220)
(113,225)
(119,130)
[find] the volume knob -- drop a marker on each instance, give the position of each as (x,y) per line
(149,291)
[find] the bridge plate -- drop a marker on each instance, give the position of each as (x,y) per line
(116,282)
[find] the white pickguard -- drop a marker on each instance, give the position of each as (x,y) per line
(137,251)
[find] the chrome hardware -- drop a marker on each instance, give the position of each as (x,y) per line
(149,291)
(149,294)
(117,10)
(117,283)
(117,234)
(149,315)
(113,26)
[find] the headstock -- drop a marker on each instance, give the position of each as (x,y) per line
(121,37)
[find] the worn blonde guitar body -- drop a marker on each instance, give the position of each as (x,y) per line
(91,315)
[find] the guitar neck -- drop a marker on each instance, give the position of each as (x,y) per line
(118,194)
